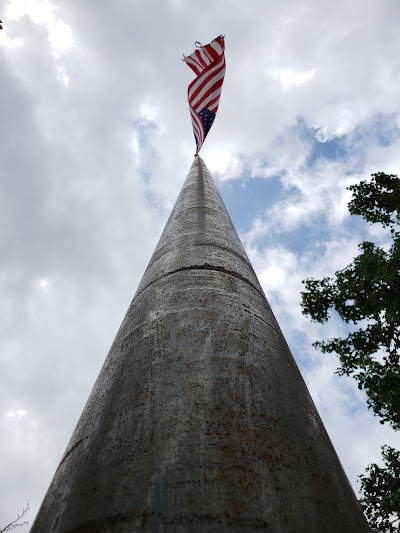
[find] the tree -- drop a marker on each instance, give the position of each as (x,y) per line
(17,522)
(366,295)
(381,492)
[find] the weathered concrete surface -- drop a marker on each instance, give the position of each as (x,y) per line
(199,419)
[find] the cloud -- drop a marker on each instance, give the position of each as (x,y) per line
(289,77)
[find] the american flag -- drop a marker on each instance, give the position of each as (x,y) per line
(208,62)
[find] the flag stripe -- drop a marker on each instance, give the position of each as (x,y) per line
(197,124)
(202,58)
(210,98)
(194,64)
(197,83)
(214,49)
(213,106)
(206,51)
(217,47)
(198,127)
(208,87)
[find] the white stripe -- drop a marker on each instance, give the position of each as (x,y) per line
(195,123)
(199,131)
(199,127)
(214,106)
(217,47)
(204,56)
(194,62)
(189,58)
(196,130)
(210,57)
(207,86)
(199,81)
(208,99)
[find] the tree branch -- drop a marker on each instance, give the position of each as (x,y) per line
(15,523)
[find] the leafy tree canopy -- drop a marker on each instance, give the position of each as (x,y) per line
(366,294)
(381,492)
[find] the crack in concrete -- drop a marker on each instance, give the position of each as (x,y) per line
(214,268)
(226,249)
(206,266)
(72,449)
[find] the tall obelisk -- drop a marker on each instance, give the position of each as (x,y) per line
(199,420)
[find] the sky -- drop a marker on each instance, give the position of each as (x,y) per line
(95,144)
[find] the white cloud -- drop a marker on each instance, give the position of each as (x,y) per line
(60,37)
(43,12)
(289,77)
(149,112)
(17,414)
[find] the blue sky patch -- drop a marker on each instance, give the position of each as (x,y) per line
(245,200)
(333,150)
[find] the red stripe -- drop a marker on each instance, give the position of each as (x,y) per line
(192,63)
(207,51)
(200,104)
(205,55)
(213,53)
(199,81)
(196,122)
(200,59)
(210,104)
(214,106)
(207,86)
(207,78)
(210,51)
(198,129)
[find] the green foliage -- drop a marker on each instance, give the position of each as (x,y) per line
(366,294)
(377,200)
(381,492)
